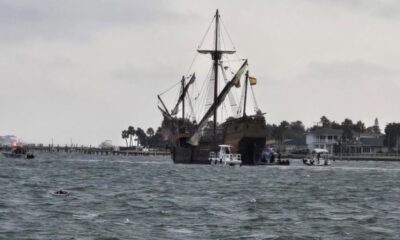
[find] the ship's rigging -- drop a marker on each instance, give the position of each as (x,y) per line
(200,104)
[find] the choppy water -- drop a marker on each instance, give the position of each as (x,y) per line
(151,198)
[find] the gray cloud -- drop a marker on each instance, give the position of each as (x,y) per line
(135,75)
(87,69)
(22,20)
(379,8)
(348,70)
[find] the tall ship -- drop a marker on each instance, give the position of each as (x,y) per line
(201,120)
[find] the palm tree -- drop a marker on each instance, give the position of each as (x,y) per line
(150,131)
(141,136)
(131,132)
(325,122)
(125,135)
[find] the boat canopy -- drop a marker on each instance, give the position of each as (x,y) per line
(319,150)
(224,146)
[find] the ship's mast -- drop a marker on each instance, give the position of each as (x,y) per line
(216,57)
(245,93)
(183,100)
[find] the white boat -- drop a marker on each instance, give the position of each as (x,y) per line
(225,157)
(18,152)
(318,157)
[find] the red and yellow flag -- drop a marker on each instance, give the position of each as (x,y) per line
(253,80)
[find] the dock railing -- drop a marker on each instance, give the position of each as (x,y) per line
(355,156)
(368,156)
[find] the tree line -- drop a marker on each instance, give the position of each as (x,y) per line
(148,138)
(286,130)
(296,129)
(280,132)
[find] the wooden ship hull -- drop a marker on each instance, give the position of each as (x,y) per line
(246,135)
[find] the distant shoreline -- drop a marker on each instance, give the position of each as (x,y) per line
(394,158)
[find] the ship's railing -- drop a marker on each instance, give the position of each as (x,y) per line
(238,156)
(233,156)
(254,118)
(227,156)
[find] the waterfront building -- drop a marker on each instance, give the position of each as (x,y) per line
(367,144)
(324,138)
(329,139)
(296,145)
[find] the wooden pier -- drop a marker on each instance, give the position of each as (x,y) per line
(122,151)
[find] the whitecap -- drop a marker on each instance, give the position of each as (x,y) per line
(85,215)
(180,230)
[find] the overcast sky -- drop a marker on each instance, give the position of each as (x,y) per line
(87,69)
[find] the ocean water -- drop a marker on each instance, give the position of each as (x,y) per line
(151,198)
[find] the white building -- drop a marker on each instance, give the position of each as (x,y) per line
(324,138)
(362,143)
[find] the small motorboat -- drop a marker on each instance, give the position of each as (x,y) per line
(318,157)
(18,152)
(282,162)
(225,157)
(270,157)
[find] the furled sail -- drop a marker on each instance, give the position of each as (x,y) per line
(164,109)
(236,79)
(164,113)
(234,106)
(183,94)
(210,90)
(194,140)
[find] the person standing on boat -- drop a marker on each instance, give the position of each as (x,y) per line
(279,156)
(272,158)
